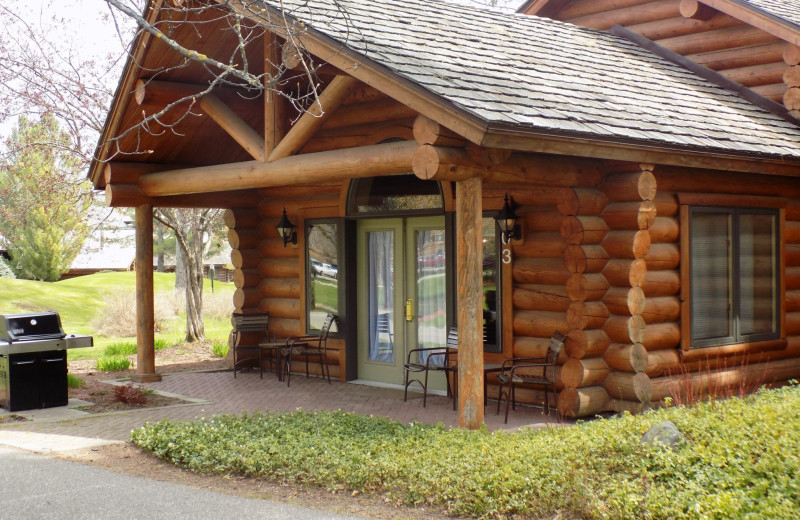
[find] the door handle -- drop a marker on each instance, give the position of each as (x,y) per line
(409,309)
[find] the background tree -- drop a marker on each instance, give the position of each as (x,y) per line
(44,200)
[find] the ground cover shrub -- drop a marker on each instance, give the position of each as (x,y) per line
(161,344)
(220,348)
(742,460)
(112,363)
(131,394)
(74,381)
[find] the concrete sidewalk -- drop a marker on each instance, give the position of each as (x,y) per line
(57,429)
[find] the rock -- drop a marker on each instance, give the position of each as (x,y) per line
(664,434)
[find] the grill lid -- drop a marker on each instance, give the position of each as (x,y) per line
(34,326)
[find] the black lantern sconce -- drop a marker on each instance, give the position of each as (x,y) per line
(507,222)
(286,230)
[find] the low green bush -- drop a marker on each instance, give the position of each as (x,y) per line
(74,381)
(112,363)
(161,344)
(742,460)
(120,349)
(220,348)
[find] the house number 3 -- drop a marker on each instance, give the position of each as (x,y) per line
(507,256)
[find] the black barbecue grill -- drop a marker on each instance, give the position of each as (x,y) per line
(33,360)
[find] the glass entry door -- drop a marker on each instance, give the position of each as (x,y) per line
(402,301)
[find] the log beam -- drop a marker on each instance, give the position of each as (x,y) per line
(327,103)
(145,315)
(470,303)
(367,161)
(435,163)
(696,10)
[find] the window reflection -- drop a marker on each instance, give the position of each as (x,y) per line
(323,272)
(394,193)
(491,339)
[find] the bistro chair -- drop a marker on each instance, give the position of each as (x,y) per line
(421,361)
(535,371)
(311,346)
(250,335)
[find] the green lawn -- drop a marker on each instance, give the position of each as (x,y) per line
(79,300)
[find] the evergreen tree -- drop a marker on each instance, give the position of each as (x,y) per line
(43,200)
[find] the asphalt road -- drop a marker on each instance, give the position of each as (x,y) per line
(35,487)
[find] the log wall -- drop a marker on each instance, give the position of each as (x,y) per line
(738,51)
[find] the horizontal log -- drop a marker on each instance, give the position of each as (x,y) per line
(585,258)
(666,30)
(526,195)
(577,373)
(774,92)
(582,402)
(728,37)
(664,230)
(243,278)
(246,298)
(586,315)
(697,10)
(792,255)
(792,231)
(583,229)
(526,346)
(792,278)
(281,307)
(630,186)
(285,327)
(586,343)
(625,329)
(662,257)
(661,283)
(652,11)
(272,209)
(658,336)
(119,172)
(720,351)
(540,218)
(274,248)
(755,75)
(626,272)
(582,201)
(367,161)
(369,112)
(577,8)
(626,244)
(244,238)
(624,301)
(706,181)
(630,215)
(661,309)
(428,131)
(660,362)
(586,286)
(359,135)
(278,195)
(130,196)
(531,297)
(525,168)
(792,301)
(438,163)
(539,323)
(631,387)
(268,230)
(280,287)
(245,258)
(666,204)
(626,357)
(546,271)
(792,323)
(241,218)
(541,244)
(279,267)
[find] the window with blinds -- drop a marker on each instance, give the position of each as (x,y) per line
(734,275)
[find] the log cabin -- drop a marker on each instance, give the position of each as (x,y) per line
(658,206)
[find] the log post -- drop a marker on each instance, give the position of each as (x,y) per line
(145,319)
(470,303)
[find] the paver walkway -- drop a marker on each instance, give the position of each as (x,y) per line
(219,392)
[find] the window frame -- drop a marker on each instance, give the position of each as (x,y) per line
(691,204)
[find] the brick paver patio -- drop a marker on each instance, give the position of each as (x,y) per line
(219,393)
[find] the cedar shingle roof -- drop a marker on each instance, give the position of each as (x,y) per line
(786,10)
(535,74)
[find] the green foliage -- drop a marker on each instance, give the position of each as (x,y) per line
(119,349)
(74,381)
(220,348)
(43,200)
(742,460)
(5,270)
(161,343)
(112,363)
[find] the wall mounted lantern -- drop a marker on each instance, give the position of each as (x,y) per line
(286,230)
(507,222)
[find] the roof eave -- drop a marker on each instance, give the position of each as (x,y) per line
(538,141)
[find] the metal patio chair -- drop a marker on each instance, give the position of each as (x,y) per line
(421,361)
(250,335)
(534,371)
(311,346)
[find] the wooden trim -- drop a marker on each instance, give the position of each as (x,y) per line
(729,350)
(686,302)
(130,195)
(757,18)
(301,259)
(782,270)
(234,126)
(714,199)
(507,307)
(145,316)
